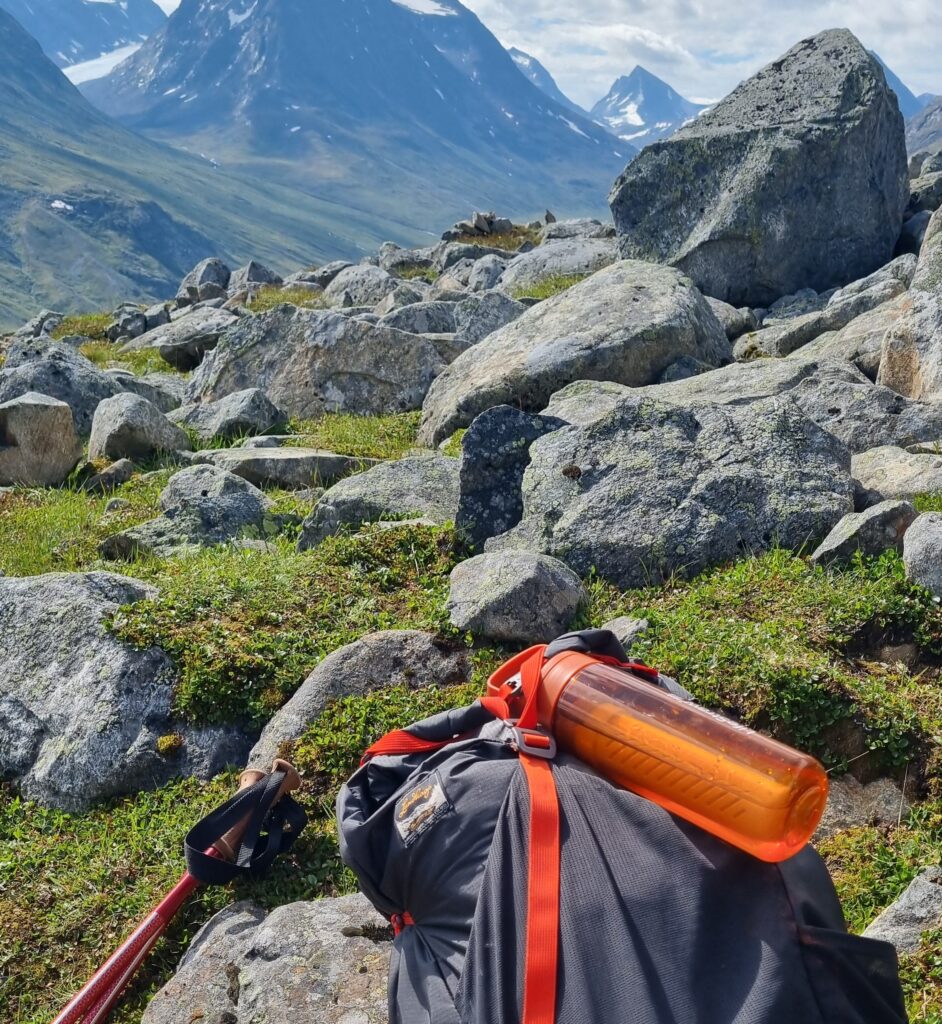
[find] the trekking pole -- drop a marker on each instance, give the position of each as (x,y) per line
(225,843)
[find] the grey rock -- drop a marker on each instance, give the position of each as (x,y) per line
(81,712)
(64,374)
(567,258)
(310,362)
(892,472)
(163,390)
(237,415)
(852,804)
(128,426)
(684,368)
(206,279)
(514,597)
(902,269)
(44,323)
(424,486)
(913,233)
(129,322)
(325,274)
(38,443)
(110,477)
(422,318)
(395,657)
(184,342)
(717,199)
(788,307)
(912,350)
(486,272)
(252,275)
(652,489)
(405,294)
(395,260)
(324,962)
(627,630)
(584,227)
(626,324)
(481,315)
(201,482)
(447,255)
(156,316)
(861,341)
(871,532)
(926,193)
(290,468)
(918,910)
(495,451)
(361,285)
(734,321)
(922,552)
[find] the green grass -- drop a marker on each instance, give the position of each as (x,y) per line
(548,287)
(452,447)
(786,646)
(428,274)
(510,241)
(365,437)
(108,356)
(272,296)
(245,627)
(87,325)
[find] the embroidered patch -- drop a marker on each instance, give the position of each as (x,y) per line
(420,808)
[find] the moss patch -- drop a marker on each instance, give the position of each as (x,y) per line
(428,274)
(548,287)
(365,437)
(273,296)
(108,356)
(509,240)
(87,325)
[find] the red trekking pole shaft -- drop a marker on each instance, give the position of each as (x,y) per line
(97,999)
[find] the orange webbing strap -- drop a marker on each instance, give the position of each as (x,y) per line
(401,742)
(539,978)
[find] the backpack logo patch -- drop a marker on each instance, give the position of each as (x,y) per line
(420,808)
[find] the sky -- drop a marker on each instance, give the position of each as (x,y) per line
(703,48)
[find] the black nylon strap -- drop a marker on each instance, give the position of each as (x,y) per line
(272,829)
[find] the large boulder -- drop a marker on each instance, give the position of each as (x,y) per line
(81,713)
(912,350)
(514,597)
(310,362)
(626,324)
(797,179)
(570,257)
(361,285)
(652,489)
(61,373)
(324,962)
(394,657)
(240,414)
(38,443)
(184,342)
(129,427)
(421,486)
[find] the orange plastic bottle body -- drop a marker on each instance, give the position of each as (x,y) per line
(754,792)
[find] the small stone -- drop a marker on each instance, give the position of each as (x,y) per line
(922,552)
(918,910)
(871,532)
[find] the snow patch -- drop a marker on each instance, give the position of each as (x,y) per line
(236,19)
(58,204)
(89,70)
(426,7)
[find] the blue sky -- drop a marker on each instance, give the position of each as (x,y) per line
(702,47)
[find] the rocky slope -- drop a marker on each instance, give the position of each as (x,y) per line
(372,106)
(642,108)
(73,31)
(542,79)
(274,512)
(93,214)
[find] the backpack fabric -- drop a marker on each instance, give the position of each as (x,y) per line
(659,922)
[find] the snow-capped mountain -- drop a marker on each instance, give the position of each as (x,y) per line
(542,79)
(74,31)
(409,108)
(641,108)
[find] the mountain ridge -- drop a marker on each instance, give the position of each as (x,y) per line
(642,108)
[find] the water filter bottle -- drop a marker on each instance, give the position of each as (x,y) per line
(754,792)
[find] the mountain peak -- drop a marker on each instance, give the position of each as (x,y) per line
(542,79)
(642,108)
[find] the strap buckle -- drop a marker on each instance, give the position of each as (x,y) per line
(535,743)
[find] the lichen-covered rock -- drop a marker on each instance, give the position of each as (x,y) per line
(797,179)
(360,285)
(394,657)
(481,315)
(852,804)
(565,258)
(208,279)
(237,415)
(861,341)
(310,362)
(918,910)
(129,427)
(652,489)
(422,318)
(421,486)
(252,275)
(324,962)
(514,597)
(184,342)
(80,711)
(38,443)
(870,532)
(495,451)
(627,324)
(895,473)
(292,469)
(922,552)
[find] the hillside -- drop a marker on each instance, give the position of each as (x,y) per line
(93,213)
(543,80)
(413,112)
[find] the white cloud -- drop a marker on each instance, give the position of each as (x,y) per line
(704,47)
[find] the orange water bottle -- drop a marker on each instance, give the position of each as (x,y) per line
(756,793)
